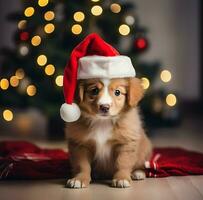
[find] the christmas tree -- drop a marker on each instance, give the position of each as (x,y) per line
(48,30)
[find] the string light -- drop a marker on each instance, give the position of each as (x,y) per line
(36,40)
(59,80)
(171,100)
(14,81)
(96,10)
(22,24)
(29,11)
(79,16)
(49,15)
(43,3)
(8,115)
(31,90)
(41,60)
(145,82)
(49,28)
(4,84)
(20,73)
(76,29)
(165,76)
(49,69)
(124,29)
(115,8)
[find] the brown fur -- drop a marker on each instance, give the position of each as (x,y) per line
(130,147)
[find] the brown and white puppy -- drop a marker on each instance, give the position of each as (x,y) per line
(108,139)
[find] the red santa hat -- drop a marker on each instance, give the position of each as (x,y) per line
(92,58)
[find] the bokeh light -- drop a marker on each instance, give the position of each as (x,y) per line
(165,76)
(22,24)
(115,8)
(95,0)
(31,90)
(49,69)
(59,80)
(76,29)
(43,3)
(130,20)
(23,50)
(145,83)
(124,29)
(36,40)
(20,74)
(29,11)
(49,28)
(171,100)
(8,115)
(14,81)
(4,84)
(79,16)
(96,10)
(49,15)
(41,60)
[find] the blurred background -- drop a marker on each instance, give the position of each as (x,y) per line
(162,37)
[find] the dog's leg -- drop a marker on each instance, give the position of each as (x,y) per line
(80,163)
(122,177)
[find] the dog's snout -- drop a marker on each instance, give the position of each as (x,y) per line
(104,108)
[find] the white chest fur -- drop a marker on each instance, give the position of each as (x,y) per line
(101,132)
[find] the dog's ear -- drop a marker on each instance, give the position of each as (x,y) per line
(135,91)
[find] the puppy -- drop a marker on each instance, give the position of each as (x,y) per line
(108,140)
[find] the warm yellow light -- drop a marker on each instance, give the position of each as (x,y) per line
(171,99)
(49,28)
(41,60)
(36,40)
(22,24)
(59,80)
(8,115)
(95,0)
(96,10)
(4,84)
(115,8)
(79,16)
(145,83)
(29,11)
(49,69)
(31,90)
(49,15)
(76,29)
(20,73)
(14,81)
(124,29)
(43,3)
(165,76)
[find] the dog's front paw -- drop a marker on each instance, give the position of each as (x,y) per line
(120,183)
(77,183)
(138,175)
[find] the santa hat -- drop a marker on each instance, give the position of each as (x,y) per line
(92,58)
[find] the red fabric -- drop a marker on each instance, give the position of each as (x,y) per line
(93,44)
(23,160)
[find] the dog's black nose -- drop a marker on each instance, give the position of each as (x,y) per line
(104,108)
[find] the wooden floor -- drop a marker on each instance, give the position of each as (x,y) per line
(189,135)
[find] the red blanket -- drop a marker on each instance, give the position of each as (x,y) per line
(23,160)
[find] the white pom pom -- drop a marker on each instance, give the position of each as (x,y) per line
(70,112)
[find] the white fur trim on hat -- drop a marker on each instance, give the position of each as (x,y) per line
(105,67)
(70,112)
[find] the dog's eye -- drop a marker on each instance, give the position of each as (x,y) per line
(117,92)
(94,91)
